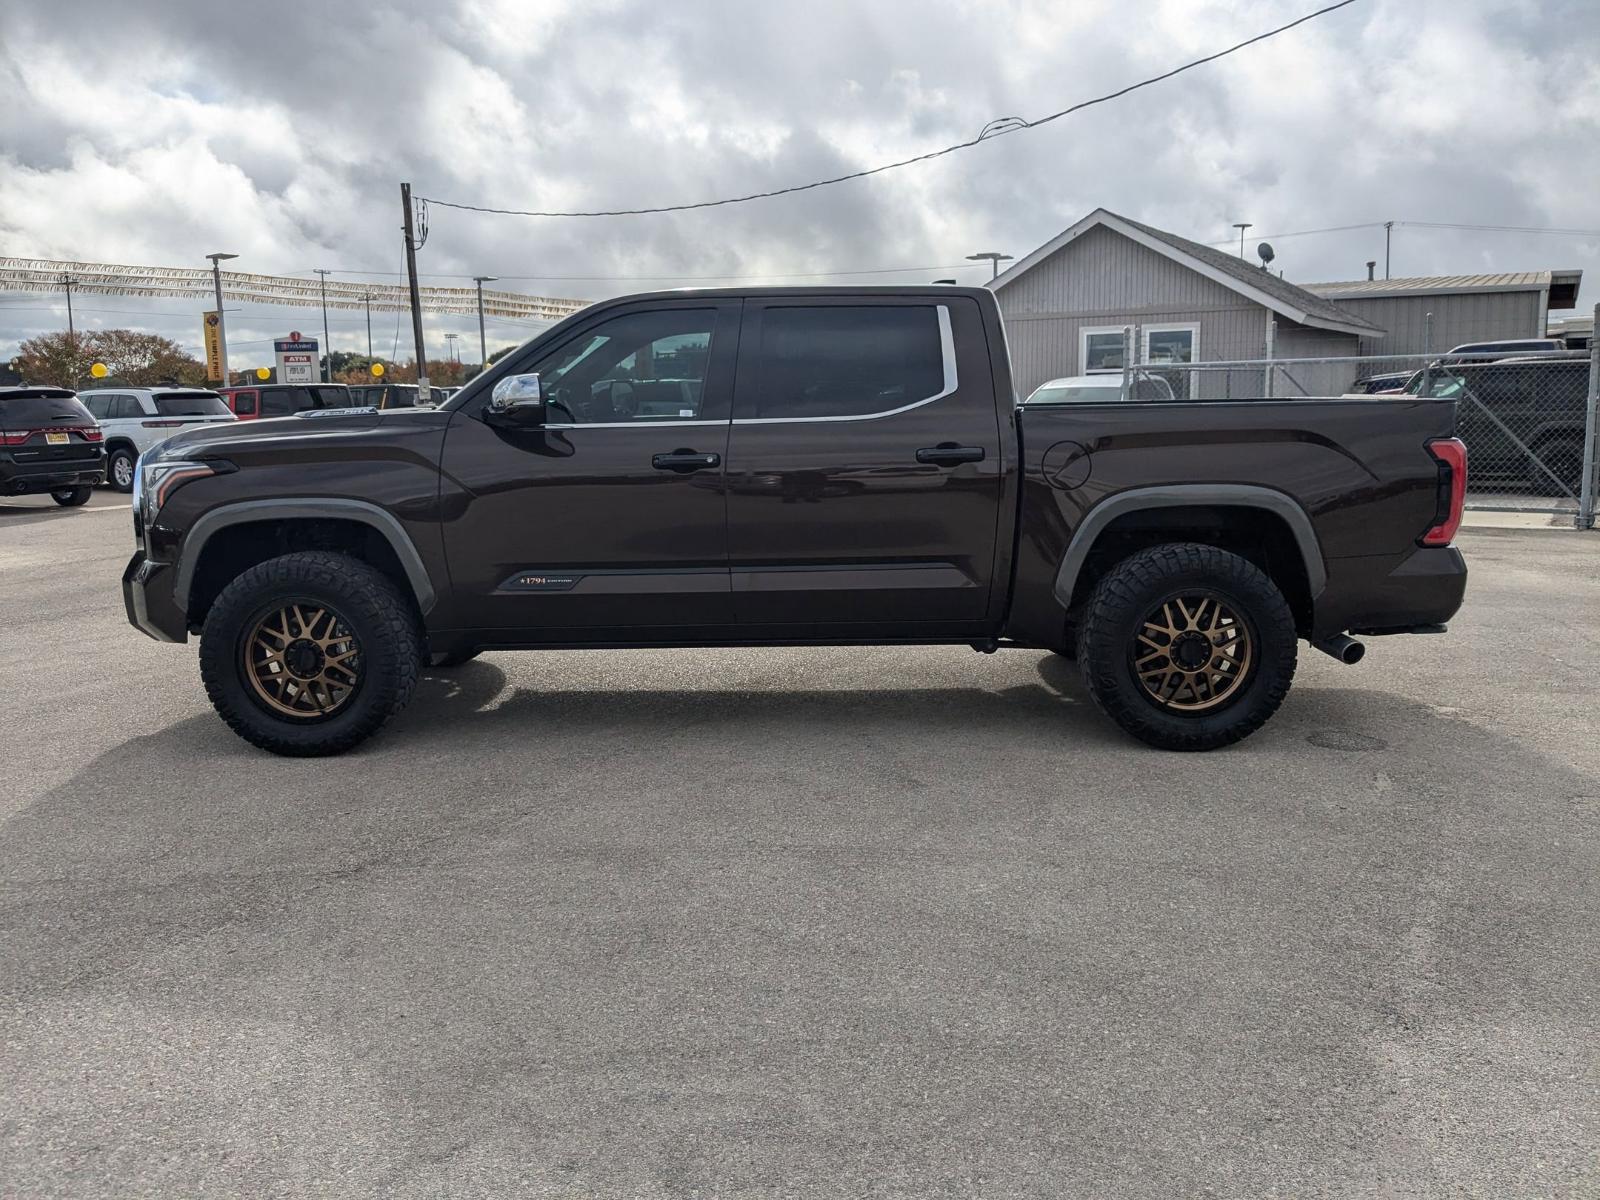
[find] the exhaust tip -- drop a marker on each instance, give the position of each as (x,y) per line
(1346,649)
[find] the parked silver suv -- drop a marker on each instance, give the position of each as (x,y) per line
(135,419)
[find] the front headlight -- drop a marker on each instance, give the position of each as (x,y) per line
(154,481)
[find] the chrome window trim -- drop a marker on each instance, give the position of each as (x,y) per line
(947,348)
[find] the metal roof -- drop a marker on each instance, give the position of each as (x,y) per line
(1436,285)
(1256,284)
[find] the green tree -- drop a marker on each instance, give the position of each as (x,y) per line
(132,358)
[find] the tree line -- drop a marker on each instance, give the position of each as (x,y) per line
(135,359)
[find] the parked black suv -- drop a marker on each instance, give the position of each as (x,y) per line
(794,466)
(49,443)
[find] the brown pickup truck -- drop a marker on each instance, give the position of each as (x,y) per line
(794,466)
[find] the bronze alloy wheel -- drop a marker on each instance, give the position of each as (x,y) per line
(302,661)
(1193,652)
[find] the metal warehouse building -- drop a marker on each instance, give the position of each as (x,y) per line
(1429,314)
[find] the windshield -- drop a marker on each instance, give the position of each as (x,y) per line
(1079,392)
(191,404)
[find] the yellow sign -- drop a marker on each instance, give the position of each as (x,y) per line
(263,374)
(214,347)
(377,370)
(99,371)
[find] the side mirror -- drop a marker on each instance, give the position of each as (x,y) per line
(516,400)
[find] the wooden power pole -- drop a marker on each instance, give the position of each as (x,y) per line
(416,297)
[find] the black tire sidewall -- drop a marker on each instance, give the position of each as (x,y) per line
(1104,647)
(363,597)
(74,496)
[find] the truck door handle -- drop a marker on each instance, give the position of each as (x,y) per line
(948,454)
(684,461)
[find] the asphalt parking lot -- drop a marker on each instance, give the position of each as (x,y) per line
(801,923)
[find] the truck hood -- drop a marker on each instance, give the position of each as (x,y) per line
(315,428)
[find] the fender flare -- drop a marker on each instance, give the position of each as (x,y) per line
(247,511)
(1184,495)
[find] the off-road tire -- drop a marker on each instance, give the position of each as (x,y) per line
(380,617)
(72,497)
(1139,585)
(443,662)
(121,452)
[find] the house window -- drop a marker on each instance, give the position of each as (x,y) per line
(1101,350)
(1170,343)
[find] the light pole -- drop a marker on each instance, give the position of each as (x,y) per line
(67,281)
(1388,228)
(994,258)
(1241,226)
(222,327)
(483,344)
(367,300)
(327,342)
(453,352)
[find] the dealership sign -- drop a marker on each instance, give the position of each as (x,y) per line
(213,330)
(297,359)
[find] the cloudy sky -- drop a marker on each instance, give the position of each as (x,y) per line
(155,132)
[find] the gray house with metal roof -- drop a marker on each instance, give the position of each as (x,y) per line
(1066,306)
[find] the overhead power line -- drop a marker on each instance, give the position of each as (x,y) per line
(1422,225)
(999,127)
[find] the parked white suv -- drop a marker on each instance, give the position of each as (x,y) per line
(134,419)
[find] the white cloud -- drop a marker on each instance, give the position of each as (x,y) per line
(281,132)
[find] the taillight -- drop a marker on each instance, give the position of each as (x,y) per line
(1451,455)
(16,437)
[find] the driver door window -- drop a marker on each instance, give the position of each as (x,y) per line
(642,368)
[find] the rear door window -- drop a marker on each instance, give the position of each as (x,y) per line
(831,361)
(98,406)
(191,404)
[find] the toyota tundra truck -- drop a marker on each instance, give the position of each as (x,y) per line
(794,466)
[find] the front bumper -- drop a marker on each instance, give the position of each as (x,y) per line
(147,596)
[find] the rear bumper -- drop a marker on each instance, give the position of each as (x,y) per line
(1425,588)
(18,479)
(147,597)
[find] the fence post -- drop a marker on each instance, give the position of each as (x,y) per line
(1127,362)
(1272,348)
(1585,519)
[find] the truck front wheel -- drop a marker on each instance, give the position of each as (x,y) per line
(1187,646)
(309,653)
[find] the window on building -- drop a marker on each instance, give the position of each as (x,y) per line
(1102,350)
(1169,343)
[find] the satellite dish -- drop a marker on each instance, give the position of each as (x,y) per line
(1266,253)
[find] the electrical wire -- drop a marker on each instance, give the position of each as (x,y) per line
(967,266)
(996,128)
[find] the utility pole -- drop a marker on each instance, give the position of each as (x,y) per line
(1388,227)
(416,296)
(1241,226)
(222,328)
(327,342)
(483,344)
(67,281)
(367,300)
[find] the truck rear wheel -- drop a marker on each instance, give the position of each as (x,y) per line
(309,653)
(1187,646)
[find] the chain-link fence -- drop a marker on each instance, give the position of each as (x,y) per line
(1528,419)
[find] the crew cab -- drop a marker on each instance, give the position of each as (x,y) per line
(134,419)
(803,467)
